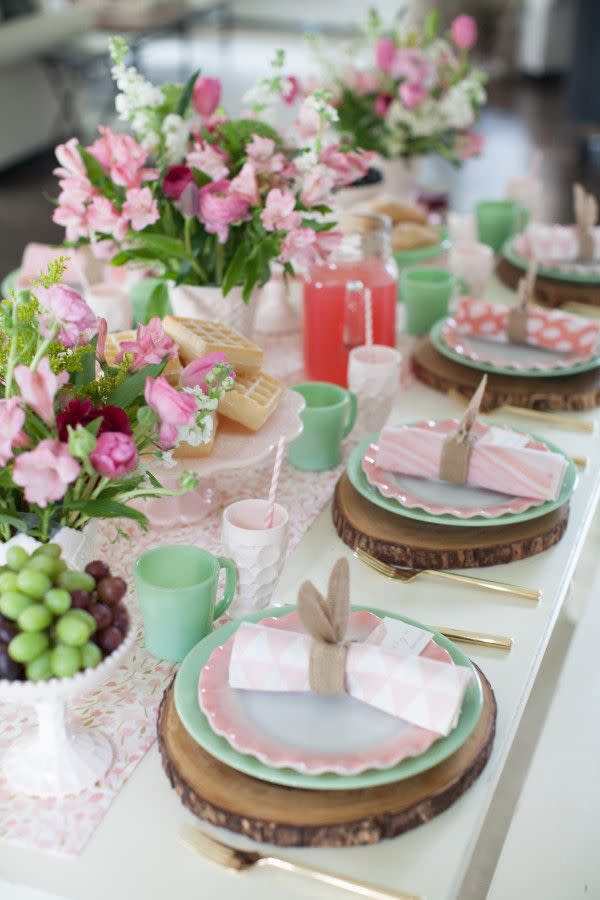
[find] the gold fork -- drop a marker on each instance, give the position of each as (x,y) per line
(240,860)
(406,574)
(549,418)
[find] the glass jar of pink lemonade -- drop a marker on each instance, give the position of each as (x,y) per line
(337,293)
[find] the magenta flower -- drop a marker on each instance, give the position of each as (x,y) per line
(104,218)
(39,388)
(348,166)
(464,31)
(12,419)
(317,187)
(45,472)
(151,346)
(194,375)
(382,104)
(207,95)
(279,214)
(140,208)
(176,180)
(66,308)
(122,158)
(219,208)
(385,52)
(412,94)
(244,184)
(175,409)
(291,90)
(411,64)
(114,455)
(210,160)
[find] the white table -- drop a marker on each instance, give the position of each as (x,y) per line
(136,853)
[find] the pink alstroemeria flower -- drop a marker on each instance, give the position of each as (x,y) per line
(140,208)
(279,212)
(348,166)
(464,31)
(75,192)
(210,160)
(39,388)
(245,185)
(194,375)
(261,151)
(122,158)
(207,95)
(307,121)
(219,208)
(68,309)
(150,347)
(385,52)
(412,94)
(175,409)
(411,64)
(317,187)
(468,144)
(104,218)
(114,455)
(45,472)
(73,220)
(69,157)
(12,419)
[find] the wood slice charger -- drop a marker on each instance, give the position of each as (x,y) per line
(401,541)
(569,392)
(552,292)
(291,817)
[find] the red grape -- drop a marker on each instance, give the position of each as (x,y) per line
(110,638)
(121,618)
(9,669)
(111,590)
(81,599)
(102,614)
(98,570)
(8,630)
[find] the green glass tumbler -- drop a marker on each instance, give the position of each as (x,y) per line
(426,292)
(498,220)
(177,591)
(328,418)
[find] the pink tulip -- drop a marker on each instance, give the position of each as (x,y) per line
(464,31)
(348,166)
(66,308)
(219,208)
(291,91)
(101,342)
(279,214)
(207,95)
(12,419)
(140,208)
(176,180)
(73,220)
(39,388)
(210,160)
(412,94)
(317,187)
(195,374)
(45,472)
(385,51)
(175,409)
(261,152)
(382,104)
(114,455)
(365,82)
(189,201)
(150,347)
(244,184)
(411,64)
(104,218)
(71,163)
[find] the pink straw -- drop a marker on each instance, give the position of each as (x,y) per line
(368,317)
(274,482)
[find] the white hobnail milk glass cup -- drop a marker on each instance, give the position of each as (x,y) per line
(461,227)
(472,263)
(374,376)
(258,552)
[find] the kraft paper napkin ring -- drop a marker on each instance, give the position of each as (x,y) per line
(457,448)
(586,217)
(517,318)
(326,621)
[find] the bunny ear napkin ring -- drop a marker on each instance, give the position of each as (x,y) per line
(326,621)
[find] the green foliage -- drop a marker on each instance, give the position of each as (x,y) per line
(106,509)
(359,122)
(132,387)
(150,297)
(186,94)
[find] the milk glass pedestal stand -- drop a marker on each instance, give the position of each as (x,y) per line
(59,757)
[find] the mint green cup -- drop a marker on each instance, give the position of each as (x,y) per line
(177,590)
(426,292)
(497,220)
(328,418)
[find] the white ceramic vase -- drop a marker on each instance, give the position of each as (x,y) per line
(207,302)
(278,304)
(401,177)
(77,546)
(113,303)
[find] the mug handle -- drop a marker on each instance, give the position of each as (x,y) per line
(230,585)
(352,414)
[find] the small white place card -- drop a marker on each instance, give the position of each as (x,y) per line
(399,637)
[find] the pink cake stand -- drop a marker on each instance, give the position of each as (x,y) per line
(235,448)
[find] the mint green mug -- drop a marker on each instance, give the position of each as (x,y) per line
(497,220)
(426,292)
(177,590)
(328,418)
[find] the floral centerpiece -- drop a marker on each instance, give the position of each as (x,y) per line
(76,433)
(419,94)
(208,201)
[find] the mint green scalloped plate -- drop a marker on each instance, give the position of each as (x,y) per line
(509,253)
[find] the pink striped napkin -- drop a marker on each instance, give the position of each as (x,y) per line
(547,328)
(516,470)
(417,689)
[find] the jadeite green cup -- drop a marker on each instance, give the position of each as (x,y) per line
(426,292)
(328,417)
(177,590)
(497,220)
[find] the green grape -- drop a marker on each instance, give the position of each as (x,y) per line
(65,661)
(76,581)
(52,550)
(58,601)
(84,616)
(42,563)
(16,557)
(28,645)
(8,582)
(60,566)
(73,629)
(33,583)
(39,669)
(12,604)
(36,617)
(91,655)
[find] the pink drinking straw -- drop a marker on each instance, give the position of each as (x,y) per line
(274,482)
(368,317)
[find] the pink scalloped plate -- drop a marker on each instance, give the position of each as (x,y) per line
(506,355)
(440,497)
(309,733)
